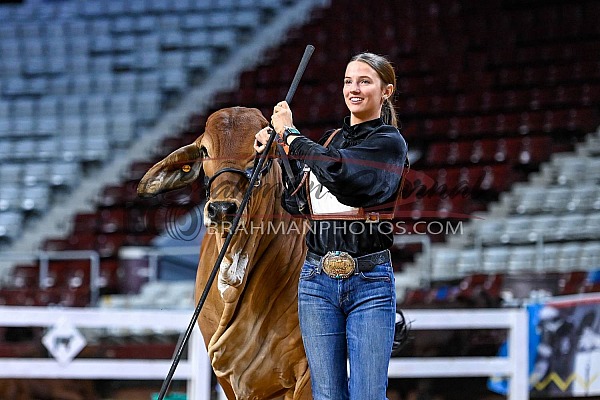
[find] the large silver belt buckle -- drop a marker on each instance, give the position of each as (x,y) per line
(338,264)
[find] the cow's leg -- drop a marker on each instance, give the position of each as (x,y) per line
(303,394)
(302,391)
(289,395)
(226,388)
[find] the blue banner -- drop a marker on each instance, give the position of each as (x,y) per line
(564,348)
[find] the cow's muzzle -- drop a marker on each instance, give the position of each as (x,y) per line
(221,211)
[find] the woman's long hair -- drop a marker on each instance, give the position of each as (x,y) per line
(386,72)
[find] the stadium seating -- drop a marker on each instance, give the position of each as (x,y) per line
(81,80)
(79,83)
(498,101)
(550,224)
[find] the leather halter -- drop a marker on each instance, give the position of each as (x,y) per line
(247,173)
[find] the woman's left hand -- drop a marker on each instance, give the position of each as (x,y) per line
(261,138)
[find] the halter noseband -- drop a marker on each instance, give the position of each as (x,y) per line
(245,173)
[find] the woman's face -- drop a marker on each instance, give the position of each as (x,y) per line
(364,92)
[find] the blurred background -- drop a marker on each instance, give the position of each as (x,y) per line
(498,100)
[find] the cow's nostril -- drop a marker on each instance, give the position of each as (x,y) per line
(211,211)
(230,211)
(219,211)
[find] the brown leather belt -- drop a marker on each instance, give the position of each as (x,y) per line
(339,264)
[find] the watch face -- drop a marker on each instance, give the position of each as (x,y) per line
(293,131)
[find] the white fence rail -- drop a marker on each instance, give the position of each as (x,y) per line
(196,370)
(515,366)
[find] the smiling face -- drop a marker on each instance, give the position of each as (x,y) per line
(364,92)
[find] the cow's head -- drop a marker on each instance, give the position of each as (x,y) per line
(225,152)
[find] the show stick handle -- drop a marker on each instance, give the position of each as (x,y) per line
(299,72)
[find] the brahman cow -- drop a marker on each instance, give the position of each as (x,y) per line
(250,319)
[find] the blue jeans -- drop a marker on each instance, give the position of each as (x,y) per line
(342,320)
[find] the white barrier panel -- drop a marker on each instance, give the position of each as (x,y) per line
(195,370)
(515,366)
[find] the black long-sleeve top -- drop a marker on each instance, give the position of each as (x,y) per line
(361,167)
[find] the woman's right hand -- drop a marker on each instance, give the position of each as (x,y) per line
(282,117)
(261,138)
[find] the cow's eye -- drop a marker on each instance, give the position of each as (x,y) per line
(203,152)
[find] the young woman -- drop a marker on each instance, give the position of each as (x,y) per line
(346,294)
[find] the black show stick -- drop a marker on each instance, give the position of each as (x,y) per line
(257,168)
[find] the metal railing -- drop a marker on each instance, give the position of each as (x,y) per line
(44,257)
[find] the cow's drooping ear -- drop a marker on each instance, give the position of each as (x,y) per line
(178,169)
